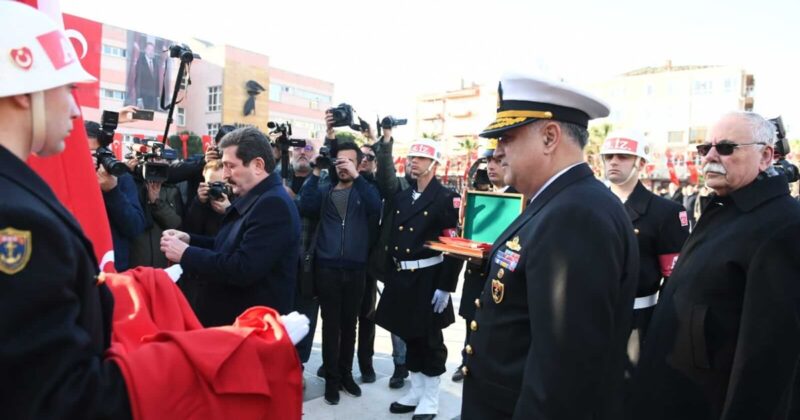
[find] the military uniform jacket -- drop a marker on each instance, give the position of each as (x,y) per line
(405,306)
(724,339)
(550,334)
(474,279)
(661,227)
(55,321)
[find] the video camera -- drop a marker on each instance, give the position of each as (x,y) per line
(390,122)
(284,141)
(345,115)
(183,52)
(145,151)
(782,149)
(105,136)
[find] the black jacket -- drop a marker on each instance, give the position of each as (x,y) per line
(55,320)
(341,243)
(253,259)
(724,341)
(125,217)
(549,338)
(661,227)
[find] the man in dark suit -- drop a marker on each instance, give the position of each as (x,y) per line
(661,227)
(552,323)
(253,259)
(725,338)
(147,77)
(55,315)
(415,304)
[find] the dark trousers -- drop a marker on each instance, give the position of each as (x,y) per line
(340,293)
(309,307)
(427,354)
(366,324)
(639,323)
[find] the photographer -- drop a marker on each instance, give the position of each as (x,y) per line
(125,214)
(205,214)
(163,210)
(341,254)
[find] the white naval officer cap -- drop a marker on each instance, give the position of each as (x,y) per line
(523,99)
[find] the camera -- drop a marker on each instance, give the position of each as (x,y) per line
(104,132)
(145,151)
(284,141)
(109,162)
(323,160)
(345,115)
(217,189)
(183,52)
(391,122)
(782,149)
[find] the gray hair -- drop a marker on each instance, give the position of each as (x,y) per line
(578,133)
(763,130)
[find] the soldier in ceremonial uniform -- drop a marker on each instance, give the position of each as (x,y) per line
(475,274)
(55,317)
(661,227)
(415,304)
(552,322)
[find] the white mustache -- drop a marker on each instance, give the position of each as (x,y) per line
(714,167)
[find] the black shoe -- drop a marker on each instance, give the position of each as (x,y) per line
(398,377)
(350,386)
(458,375)
(423,416)
(367,374)
(331,395)
(398,408)
(321,371)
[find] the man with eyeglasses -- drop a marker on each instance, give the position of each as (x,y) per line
(661,227)
(725,337)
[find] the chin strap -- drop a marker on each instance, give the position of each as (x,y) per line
(634,171)
(38,122)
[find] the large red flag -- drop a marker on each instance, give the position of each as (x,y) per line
(71,174)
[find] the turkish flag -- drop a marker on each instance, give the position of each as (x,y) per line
(71,174)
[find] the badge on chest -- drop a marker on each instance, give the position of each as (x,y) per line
(509,258)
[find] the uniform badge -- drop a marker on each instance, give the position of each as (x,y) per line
(15,250)
(456,202)
(507,259)
(498,291)
(514,244)
(684,218)
(22,57)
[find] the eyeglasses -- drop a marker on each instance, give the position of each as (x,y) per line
(724,149)
(369,158)
(307,148)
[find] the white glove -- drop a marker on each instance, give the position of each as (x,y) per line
(440,299)
(296,326)
(174,272)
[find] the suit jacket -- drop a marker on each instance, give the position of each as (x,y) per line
(55,320)
(147,81)
(405,307)
(550,333)
(253,259)
(725,337)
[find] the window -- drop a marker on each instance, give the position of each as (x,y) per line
(675,137)
(275,92)
(213,129)
(114,51)
(697,134)
(701,87)
(214,99)
(112,94)
(729,85)
(180,116)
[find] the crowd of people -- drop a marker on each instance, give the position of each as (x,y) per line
(602,299)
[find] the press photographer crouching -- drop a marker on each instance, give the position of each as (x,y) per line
(341,248)
(125,214)
(253,259)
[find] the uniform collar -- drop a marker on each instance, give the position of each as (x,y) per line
(759,191)
(639,200)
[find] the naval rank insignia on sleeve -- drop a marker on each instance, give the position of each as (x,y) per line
(15,250)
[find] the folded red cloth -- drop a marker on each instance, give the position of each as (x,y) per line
(176,369)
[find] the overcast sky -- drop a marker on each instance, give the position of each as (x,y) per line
(382,54)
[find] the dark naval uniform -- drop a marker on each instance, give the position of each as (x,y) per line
(55,320)
(552,322)
(724,341)
(661,227)
(416,272)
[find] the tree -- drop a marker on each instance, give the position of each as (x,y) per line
(194,144)
(597,135)
(469,145)
(345,136)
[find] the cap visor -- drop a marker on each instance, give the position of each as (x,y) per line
(501,125)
